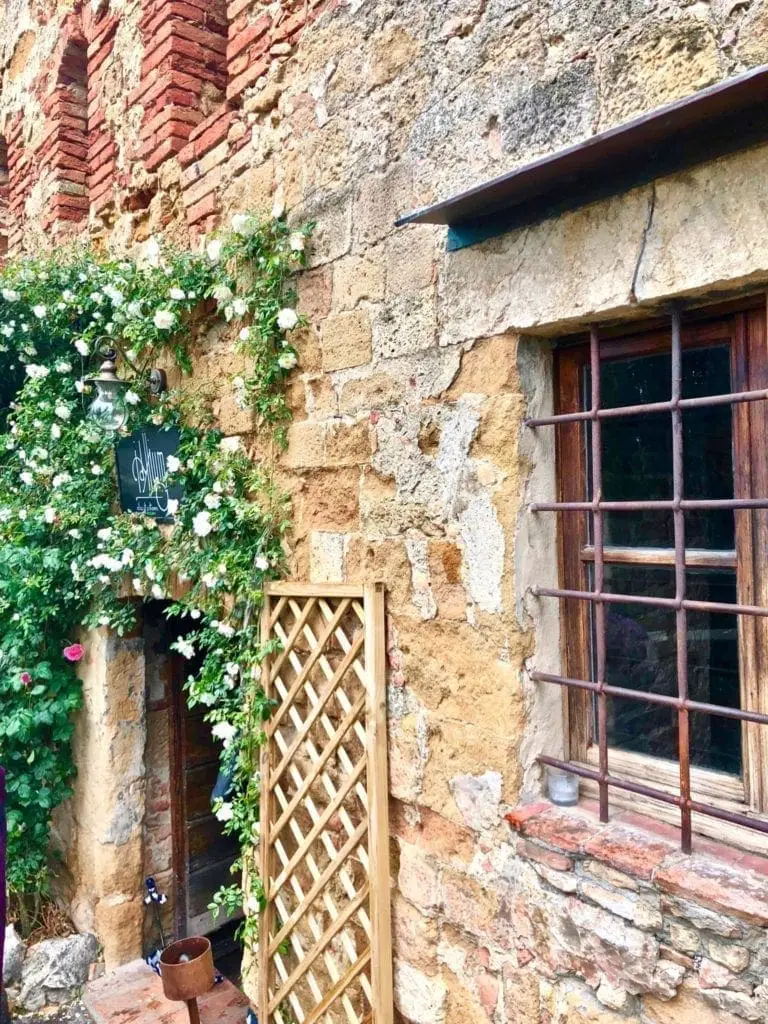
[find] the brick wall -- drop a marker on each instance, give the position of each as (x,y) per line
(102,148)
(183,71)
(63,155)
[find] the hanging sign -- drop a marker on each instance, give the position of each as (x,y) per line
(142,470)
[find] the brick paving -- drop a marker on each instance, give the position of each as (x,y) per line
(134,995)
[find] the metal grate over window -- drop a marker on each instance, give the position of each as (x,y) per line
(681,604)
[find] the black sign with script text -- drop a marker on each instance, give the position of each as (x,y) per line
(142,469)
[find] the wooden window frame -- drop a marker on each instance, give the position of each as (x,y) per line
(743,328)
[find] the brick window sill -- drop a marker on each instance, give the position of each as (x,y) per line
(719,877)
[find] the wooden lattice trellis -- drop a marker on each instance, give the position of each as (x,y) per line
(324,948)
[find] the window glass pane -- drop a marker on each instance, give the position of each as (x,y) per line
(641,655)
(637,450)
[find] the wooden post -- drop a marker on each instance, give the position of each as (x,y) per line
(265,859)
(378,803)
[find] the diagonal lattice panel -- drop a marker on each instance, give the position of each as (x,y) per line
(324,952)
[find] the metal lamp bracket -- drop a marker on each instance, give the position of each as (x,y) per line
(158,382)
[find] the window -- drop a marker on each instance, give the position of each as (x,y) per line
(663,479)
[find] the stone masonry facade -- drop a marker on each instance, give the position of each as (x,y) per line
(407,459)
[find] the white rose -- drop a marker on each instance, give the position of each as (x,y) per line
(40,312)
(157,592)
(82,347)
(278,209)
(201,524)
(114,294)
(172,464)
(127,557)
(245,334)
(164,319)
(287,319)
(27,478)
(105,533)
(177,294)
(49,515)
(244,224)
(36,372)
(297,242)
(96,469)
(240,307)
(262,564)
(22,514)
(225,732)
(10,295)
(225,813)
(213,250)
(185,648)
(173,506)
(287,360)
(63,367)
(132,398)
(212,501)
(62,411)
(152,252)
(222,293)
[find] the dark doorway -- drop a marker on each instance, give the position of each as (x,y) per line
(202,856)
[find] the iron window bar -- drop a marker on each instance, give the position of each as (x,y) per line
(680,604)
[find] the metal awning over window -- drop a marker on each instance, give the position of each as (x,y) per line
(723,119)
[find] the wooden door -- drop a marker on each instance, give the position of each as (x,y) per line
(202,854)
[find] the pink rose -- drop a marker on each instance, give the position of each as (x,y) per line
(25,678)
(74,652)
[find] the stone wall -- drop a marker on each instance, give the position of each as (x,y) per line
(406,459)
(100,831)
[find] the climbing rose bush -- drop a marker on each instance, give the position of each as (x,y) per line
(69,556)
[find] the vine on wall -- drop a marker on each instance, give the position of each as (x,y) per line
(68,555)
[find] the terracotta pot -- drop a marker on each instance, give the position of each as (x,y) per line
(186,968)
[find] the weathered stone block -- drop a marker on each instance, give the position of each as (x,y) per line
(411,263)
(418,879)
(419,998)
(477,798)
(687,1006)
(413,935)
(326,445)
(314,288)
(735,958)
(380,200)
(326,557)
(356,278)
(346,340)
(14,952)
(660,64)
(55,970)
(405,325)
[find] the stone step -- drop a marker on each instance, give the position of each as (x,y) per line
(134,995)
